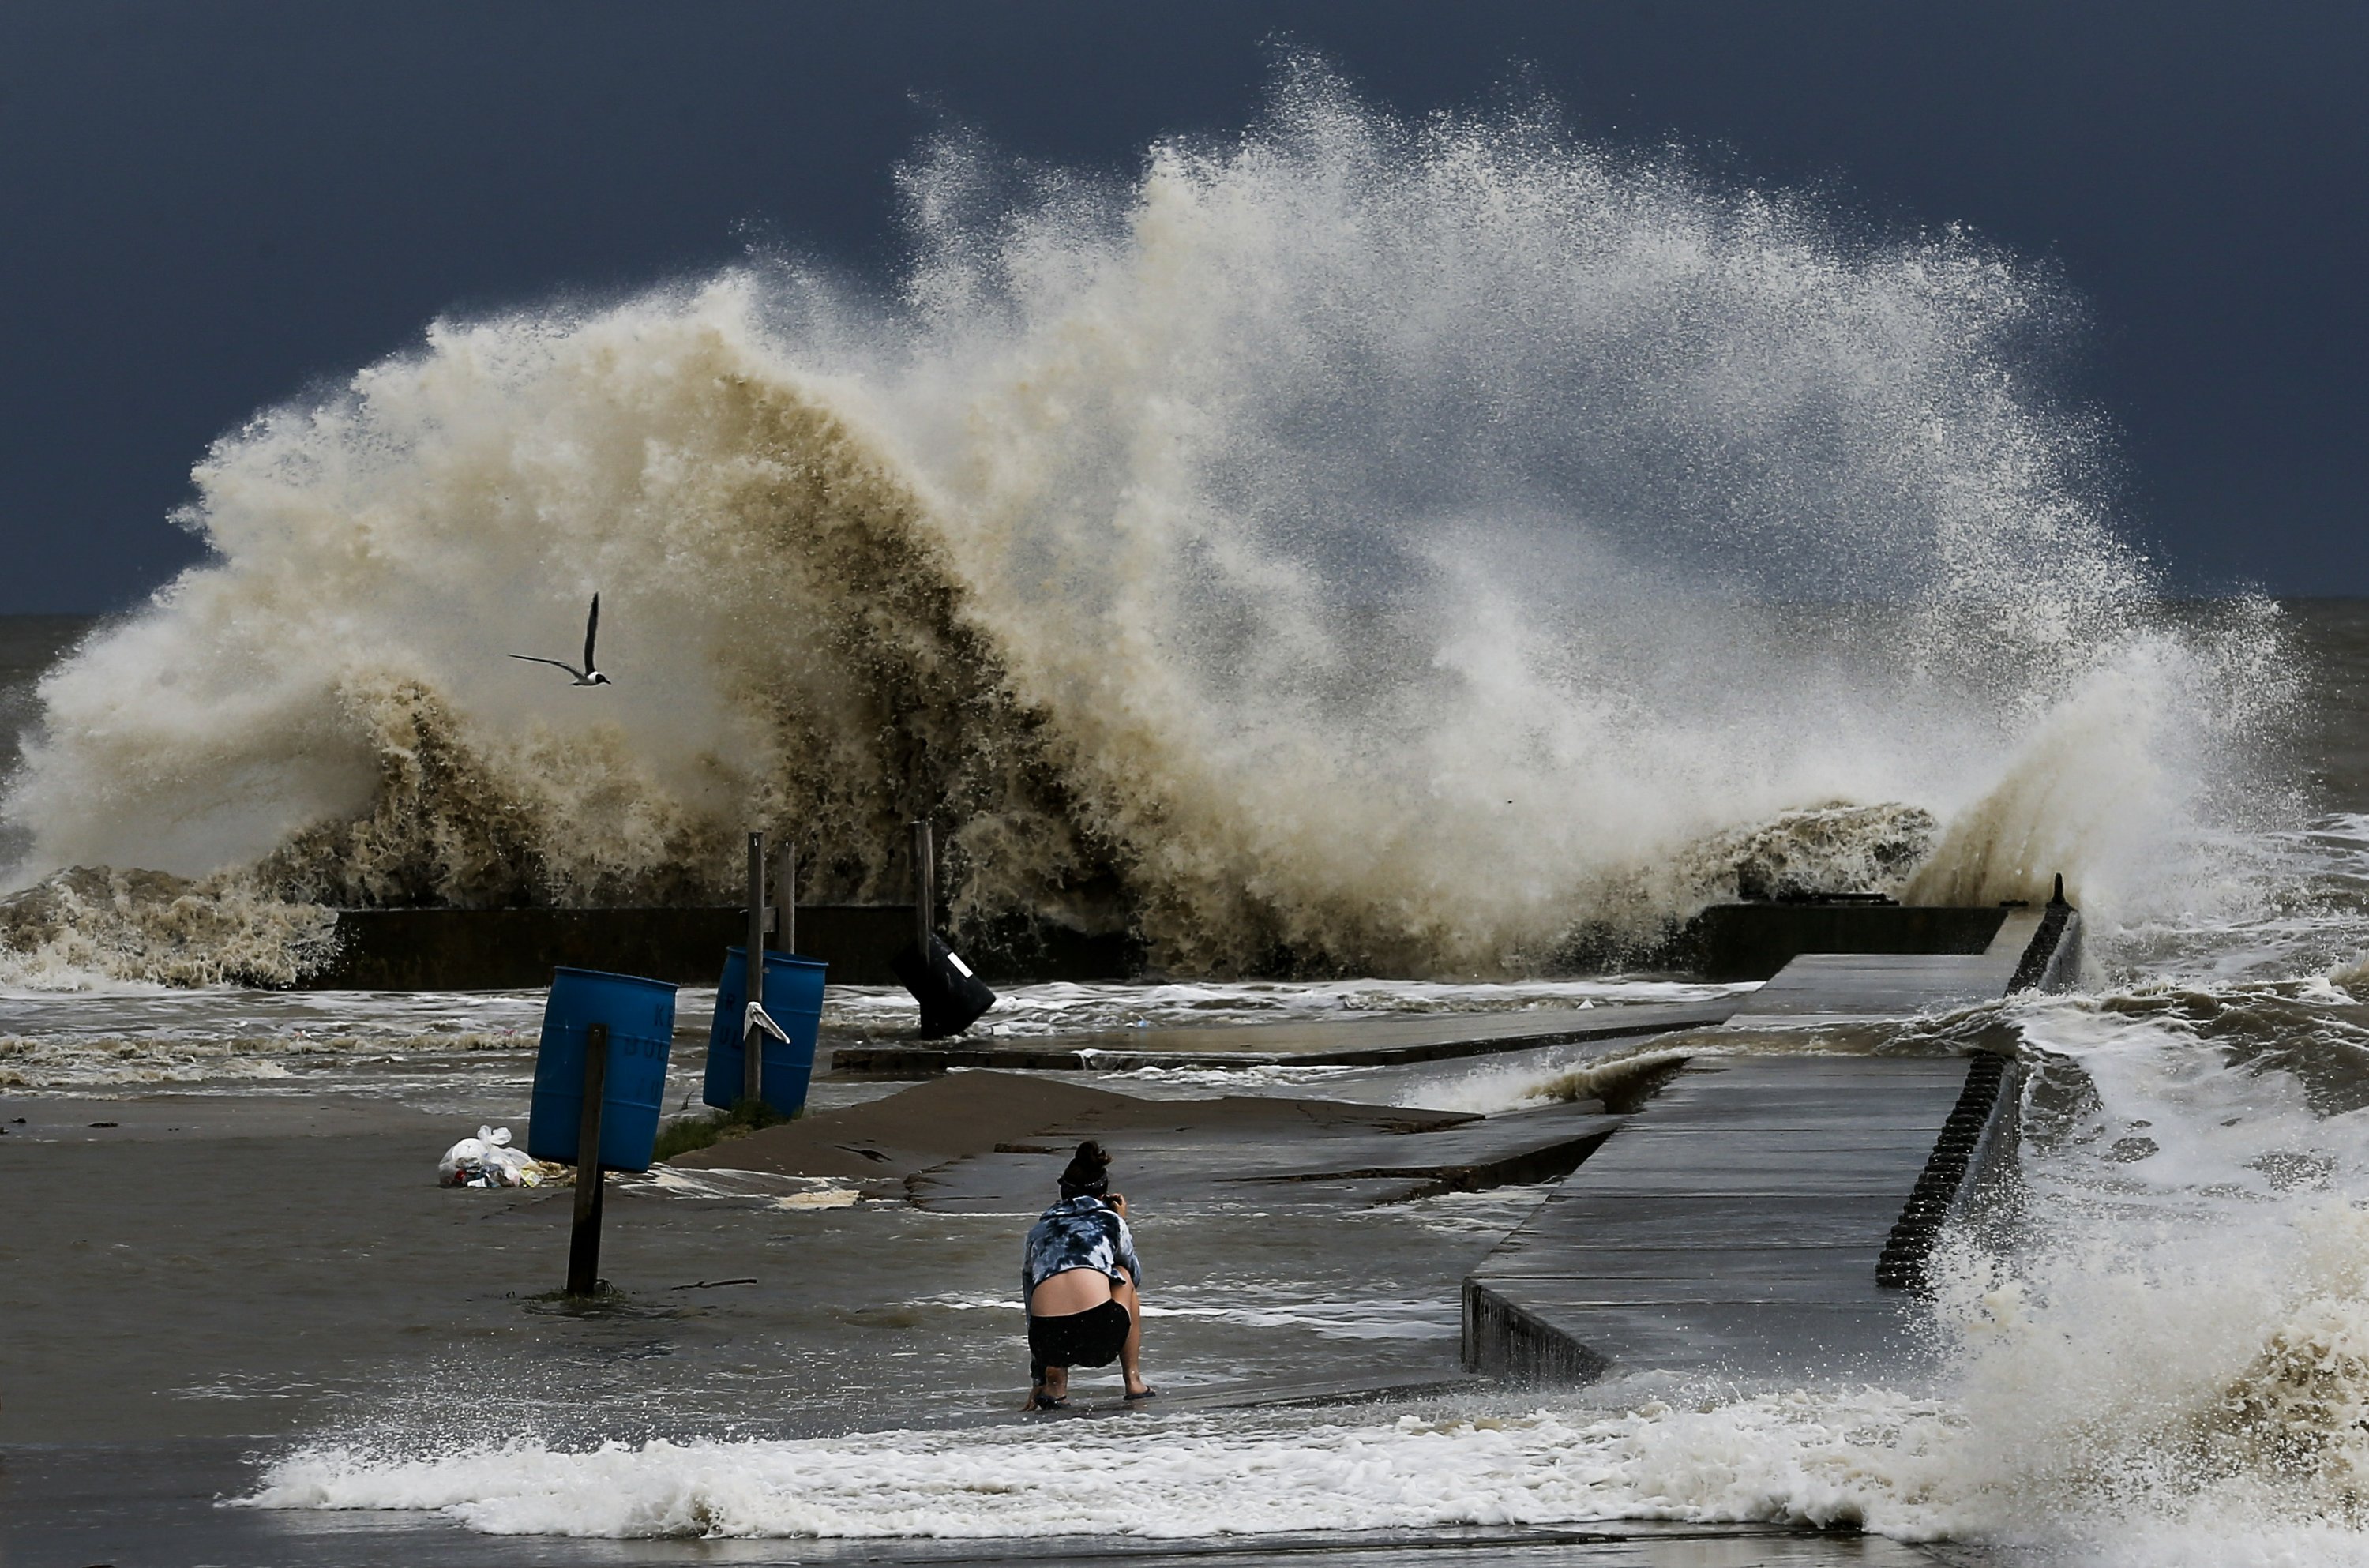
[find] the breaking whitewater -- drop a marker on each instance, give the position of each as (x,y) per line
(1437,552)
(1356,547)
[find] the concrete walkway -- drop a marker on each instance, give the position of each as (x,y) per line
(1755,1219)
(1836,988)
(1734,1226)
(1371,1040)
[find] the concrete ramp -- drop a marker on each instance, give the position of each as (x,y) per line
(1741,1225)
(1822,987)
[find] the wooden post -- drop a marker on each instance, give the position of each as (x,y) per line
(584,1242)
(785,897)
(752,1039)
(924,888)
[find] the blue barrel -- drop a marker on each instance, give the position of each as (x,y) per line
(794,1000)
(640,1016)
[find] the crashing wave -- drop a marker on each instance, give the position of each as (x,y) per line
(1359,545)
(147,926)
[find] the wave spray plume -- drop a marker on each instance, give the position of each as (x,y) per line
(1395,546)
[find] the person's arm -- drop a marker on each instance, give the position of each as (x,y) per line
(1126,1250)
(1028,1277)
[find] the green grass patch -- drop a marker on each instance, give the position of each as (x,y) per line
(685,1134)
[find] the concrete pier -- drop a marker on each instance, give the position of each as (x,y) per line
(1736,1225)
(1765,1215)
(1821,988)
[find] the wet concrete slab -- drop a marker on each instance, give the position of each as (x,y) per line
(1746,1342)
(1719,1269)
(968,1115)
(1833,986)
(1649,1142)
(1372,1041)
(1571,1221)
(1740,1237)
(1811,1281)
(1806,1173)
(1321,1164)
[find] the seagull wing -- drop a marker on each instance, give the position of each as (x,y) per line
(556,664)
(591,629)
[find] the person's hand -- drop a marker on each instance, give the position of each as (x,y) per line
(1118,1203)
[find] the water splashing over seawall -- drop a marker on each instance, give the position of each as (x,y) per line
(1400,547)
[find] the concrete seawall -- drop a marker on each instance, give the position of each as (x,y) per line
(487,949)
(1752,942)
(468,949)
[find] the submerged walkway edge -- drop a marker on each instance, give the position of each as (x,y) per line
(1365,1041)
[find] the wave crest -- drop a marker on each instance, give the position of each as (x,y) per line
(1357,545)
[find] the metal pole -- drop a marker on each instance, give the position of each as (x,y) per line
(785,896)
(924,887)
(584,1241)
(752,1042)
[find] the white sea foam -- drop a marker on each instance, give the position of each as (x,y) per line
(766,1187)
(125,1036)
(97,1032)
(1787,1456)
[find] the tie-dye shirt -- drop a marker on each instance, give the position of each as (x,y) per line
(1078,1232)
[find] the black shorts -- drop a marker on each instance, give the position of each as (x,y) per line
(1091,1338)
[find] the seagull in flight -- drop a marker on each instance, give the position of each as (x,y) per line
(590,675)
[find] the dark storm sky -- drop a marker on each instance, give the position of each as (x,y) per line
(204,207)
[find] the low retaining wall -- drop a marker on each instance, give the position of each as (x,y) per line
(472,949)
(1975,1151)
(1504,1342)
(486,949)
(1752,942)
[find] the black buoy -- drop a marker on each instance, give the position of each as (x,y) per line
(952,998)
(2056,897)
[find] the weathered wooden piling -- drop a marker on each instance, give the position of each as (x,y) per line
(752,1039)
(584,1239)
(925,885)
(785,897)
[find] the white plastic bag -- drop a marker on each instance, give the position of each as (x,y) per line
(486,1160)
(517,1170)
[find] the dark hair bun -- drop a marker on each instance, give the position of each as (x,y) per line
(1085,1174)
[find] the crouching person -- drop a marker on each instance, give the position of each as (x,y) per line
(1081,1284)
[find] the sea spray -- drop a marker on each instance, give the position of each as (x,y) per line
(1356,545)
